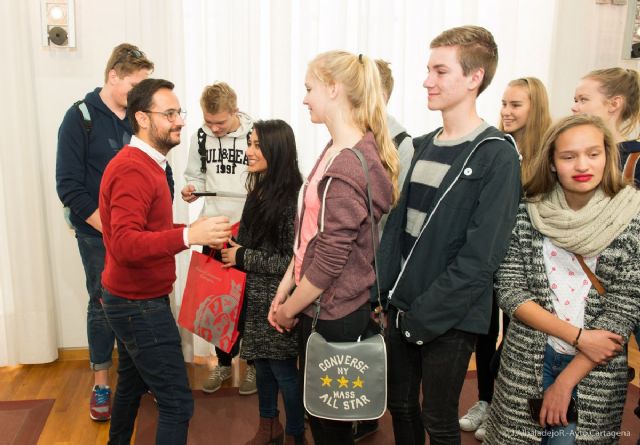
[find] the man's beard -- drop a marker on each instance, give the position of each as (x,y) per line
(162,142)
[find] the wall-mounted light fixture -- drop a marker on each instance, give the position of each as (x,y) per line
(58,23)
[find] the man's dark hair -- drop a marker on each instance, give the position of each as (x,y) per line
(140,98)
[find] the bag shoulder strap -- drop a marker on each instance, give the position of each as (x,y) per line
(374,236)
(592,277)
(630,167)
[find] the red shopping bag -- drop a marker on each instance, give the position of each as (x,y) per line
(212,301)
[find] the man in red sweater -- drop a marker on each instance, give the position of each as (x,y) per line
(141,241)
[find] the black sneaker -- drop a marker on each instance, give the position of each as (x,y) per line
(363,429)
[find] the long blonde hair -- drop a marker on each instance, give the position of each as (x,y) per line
(621,82)
(543,179)
(361,80)
(538,121)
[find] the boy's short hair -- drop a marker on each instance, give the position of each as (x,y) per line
(386,77)
(127,59)
(219,97)
(476,49)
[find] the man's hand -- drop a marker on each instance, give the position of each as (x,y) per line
(94,220)
(187,193)
(213,232)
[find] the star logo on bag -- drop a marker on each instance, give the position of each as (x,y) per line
(357,383)
(326,380)
(344,383)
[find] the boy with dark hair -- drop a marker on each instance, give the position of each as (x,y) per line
(444,240)
(141,240)
(92,132)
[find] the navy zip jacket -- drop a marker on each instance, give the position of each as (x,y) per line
(83,156)
(447,280)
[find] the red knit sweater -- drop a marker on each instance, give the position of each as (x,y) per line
(138,231)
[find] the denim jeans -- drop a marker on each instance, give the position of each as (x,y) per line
(100,336)
(272,375)
(554,363)
(149,358)
(347,328)
(440,366)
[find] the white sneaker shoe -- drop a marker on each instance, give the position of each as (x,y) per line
(217,375)
(477,414)
(481,431)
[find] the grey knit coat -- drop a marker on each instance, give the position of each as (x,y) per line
(601,394)
(265,267)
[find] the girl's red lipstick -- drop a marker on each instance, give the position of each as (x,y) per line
(582,178)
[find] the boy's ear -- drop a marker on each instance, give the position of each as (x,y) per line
(476,78)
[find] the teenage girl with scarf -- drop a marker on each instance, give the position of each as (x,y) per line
(565,339)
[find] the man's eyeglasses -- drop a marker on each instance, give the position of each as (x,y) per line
(134,53)
(171,115)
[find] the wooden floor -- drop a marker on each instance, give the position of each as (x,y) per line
(69,383)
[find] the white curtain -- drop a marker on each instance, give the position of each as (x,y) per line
(27,317)
(262,48)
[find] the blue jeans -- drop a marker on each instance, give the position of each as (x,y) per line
(100,336)
(282,374)
(440,366)
(554,363)
(149,358)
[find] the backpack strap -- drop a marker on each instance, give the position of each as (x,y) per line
(202,149)
(630,165)
(400,137)
(82,108)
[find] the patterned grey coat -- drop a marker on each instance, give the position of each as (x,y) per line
(601,394)
(265,266)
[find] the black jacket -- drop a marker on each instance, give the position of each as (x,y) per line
(447,280)
(82,157)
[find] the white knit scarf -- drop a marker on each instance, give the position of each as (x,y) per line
(591,229)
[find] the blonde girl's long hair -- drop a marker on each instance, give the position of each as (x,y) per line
(538,121)
(621,82)
(361,80)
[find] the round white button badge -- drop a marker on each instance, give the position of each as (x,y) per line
(467,171)
(407,334)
